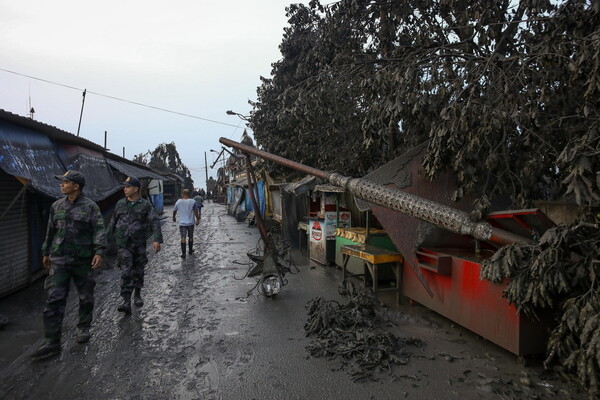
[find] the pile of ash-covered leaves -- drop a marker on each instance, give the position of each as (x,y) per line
(562,273)
(354,333)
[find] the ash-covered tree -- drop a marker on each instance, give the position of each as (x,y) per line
(166,158)
(507,94)
(304,112)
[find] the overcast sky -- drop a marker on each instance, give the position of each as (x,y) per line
(194,57)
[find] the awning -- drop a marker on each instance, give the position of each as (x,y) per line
(131,170)
(31,156)
(529,223)
(172,177)
(34,153)
(329,189)
(242,182)
(303,185)
(100,181)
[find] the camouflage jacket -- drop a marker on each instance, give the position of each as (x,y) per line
(75,231)
(131,223)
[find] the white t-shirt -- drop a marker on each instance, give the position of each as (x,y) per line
(185,209)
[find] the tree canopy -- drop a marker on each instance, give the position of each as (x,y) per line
(506,92)
(165,157)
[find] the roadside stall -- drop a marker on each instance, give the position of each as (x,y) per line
(442,247)
(324,216)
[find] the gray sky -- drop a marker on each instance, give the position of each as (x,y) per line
(194,57)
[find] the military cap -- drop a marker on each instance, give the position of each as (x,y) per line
(72,175)
(131,181)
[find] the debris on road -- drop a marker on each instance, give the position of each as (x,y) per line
(355,334)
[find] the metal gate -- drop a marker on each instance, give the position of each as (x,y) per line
(14,243)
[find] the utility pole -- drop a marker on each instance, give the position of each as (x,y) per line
(123,151)
(206,170)
(81,114)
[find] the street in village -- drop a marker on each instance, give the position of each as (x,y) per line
(202,335)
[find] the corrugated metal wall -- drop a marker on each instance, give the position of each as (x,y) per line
(14,244)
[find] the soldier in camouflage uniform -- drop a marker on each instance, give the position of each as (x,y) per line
(129,225)
(74,246)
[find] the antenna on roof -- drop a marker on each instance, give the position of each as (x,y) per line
(31,110)
(81,114)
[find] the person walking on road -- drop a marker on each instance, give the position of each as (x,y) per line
(129,226)
(187,210)
(74,246)
(199,202)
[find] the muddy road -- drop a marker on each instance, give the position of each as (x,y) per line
(200,335)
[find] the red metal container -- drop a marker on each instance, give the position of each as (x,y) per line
(462,296)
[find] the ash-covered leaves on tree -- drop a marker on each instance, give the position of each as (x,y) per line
(354,334)
(166,158)
(506,92)
(562,273)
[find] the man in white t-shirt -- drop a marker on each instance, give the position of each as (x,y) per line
(187,211)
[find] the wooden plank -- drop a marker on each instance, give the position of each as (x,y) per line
(372,254)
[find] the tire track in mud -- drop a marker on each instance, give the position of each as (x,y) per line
(192,354)
(220,247)
(231,346)
(178,324)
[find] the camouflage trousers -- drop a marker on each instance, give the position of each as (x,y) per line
(132,261)
(57,285)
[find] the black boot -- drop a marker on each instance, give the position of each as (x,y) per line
(137,297)
(46,350)
(190,245)
(125,306)
(182,250)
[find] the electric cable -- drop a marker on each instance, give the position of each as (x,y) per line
(120,99)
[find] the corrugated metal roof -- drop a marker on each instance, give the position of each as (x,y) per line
(36,151)
(131,170)
(52,132)
(171,176)
(303,185)
(329,189)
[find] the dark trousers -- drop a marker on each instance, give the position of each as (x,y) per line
(57,285)
(188,231)
(132,261)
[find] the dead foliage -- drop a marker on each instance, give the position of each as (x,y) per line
(561,272)
(355,334)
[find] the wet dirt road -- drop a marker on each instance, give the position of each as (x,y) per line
(200,335)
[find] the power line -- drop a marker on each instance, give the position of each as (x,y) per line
(119,99)
(236,128)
